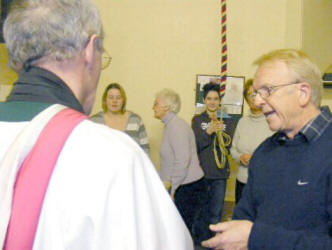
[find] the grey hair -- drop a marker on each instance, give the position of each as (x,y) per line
(170,99)
(305,70)
(57,30)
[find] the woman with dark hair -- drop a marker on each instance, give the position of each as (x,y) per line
(244,143)
(116,116)
(212,148)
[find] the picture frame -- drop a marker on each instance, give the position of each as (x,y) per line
(232,100)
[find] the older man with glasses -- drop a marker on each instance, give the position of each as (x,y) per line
(287,202)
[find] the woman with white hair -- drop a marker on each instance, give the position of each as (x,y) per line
(180,170)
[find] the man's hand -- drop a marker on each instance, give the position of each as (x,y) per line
(231,235)
(245,158)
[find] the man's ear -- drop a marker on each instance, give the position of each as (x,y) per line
(304,93)
(91,49)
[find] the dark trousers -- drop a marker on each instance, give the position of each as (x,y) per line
(189,200)
(212,208)
(238,190)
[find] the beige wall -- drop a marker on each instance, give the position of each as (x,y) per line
(256,27)
(294,24)
(157,44)
(317,31)
(317,36)
(7,76)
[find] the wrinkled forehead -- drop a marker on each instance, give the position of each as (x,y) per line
(271,74)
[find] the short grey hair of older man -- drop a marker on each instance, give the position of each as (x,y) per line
(305,70)
(52,30)
(171,99)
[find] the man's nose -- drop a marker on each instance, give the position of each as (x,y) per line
(259,101)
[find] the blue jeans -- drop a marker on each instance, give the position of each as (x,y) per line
(212,211)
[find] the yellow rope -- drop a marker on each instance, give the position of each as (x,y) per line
(224,140)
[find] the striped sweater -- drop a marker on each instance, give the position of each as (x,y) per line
(134,128)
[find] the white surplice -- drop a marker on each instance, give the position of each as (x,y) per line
(104,193)
(25,136)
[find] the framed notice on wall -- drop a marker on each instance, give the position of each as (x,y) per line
(232,100)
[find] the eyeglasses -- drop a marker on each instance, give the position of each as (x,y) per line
(105,60)
(265,92)
(252,96)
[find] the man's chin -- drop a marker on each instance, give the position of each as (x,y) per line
(273,126)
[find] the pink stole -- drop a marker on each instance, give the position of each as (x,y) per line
(33,178)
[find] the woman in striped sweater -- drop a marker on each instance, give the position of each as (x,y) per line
(116,116)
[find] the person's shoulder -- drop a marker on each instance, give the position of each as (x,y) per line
(99,114)
(99,136)
(243,120)
(326,136)
(98,148)
(198,117)
(134,116)
(98,117)
(329,128)
(266,145)
(20,111)
(195,117)
(252,119)
(261,153)
(178,121)
(134,121)
(178,128)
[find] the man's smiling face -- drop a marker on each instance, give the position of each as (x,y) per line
(281,107)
